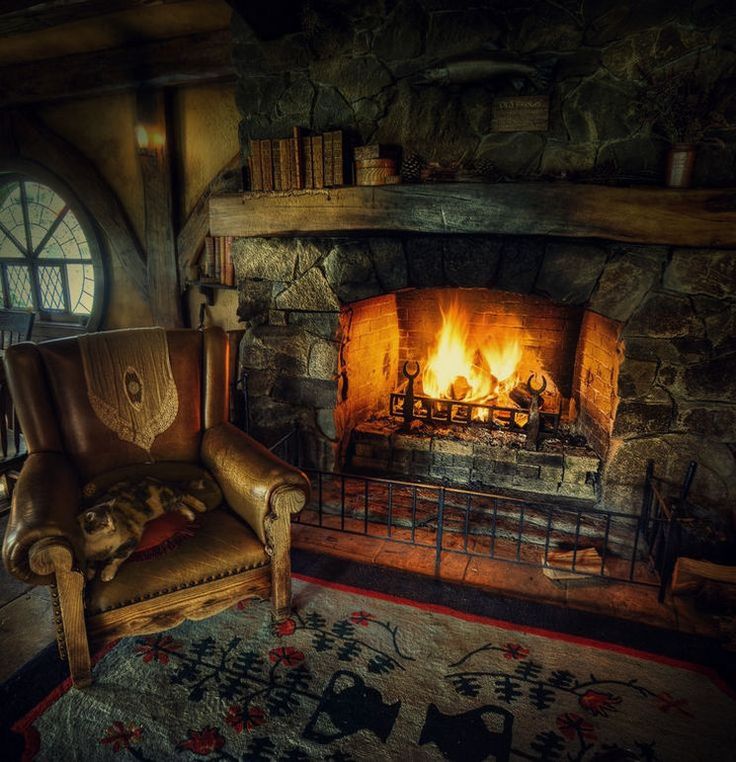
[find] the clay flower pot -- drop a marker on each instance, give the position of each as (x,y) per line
(680,160)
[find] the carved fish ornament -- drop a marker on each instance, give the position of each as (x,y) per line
(484,67)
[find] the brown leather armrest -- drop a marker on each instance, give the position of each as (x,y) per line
(249,475)
(45,504)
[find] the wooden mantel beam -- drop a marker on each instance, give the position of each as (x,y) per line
(636,215)
(176,61)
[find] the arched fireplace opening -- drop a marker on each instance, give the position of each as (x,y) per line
(476,356)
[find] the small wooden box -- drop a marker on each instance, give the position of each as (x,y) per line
(375,171)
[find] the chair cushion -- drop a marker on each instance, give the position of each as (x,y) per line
(222,545)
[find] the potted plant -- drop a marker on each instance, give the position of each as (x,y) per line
(687,110)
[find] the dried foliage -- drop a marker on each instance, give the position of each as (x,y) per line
(684,107)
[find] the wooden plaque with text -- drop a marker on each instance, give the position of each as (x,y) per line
(521,113)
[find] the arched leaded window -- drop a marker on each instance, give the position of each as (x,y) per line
(49,255)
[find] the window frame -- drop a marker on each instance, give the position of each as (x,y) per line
(51,321)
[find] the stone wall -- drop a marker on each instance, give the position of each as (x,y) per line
(677,376)
(353,64)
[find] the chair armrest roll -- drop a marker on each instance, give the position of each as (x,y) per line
(254,481)
(45,503)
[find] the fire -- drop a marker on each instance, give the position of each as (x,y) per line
(461,369)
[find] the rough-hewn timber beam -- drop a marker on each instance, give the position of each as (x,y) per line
(23,16)
(175,61)
(155,164)
(637,215)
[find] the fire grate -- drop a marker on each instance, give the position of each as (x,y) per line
(436,410)
(451,521)
(532,419)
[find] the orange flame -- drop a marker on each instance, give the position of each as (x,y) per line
(459,368)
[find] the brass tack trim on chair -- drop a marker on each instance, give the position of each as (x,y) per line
(183,586)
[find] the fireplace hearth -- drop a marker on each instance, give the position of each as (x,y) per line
(476,457)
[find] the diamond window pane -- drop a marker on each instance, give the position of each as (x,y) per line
(81,280)
(51,285)
(19,286)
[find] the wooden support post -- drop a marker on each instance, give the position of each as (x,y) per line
(160,241)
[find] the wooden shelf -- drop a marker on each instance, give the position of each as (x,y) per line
(208,290)
(637,215)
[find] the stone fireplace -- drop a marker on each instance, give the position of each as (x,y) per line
(634,340)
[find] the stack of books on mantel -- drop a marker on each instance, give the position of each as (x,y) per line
(216,262)
(299,162)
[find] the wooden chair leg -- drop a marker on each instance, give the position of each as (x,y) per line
(285,502)
(281,590)
(54,557)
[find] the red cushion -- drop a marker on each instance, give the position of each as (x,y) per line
(162,534)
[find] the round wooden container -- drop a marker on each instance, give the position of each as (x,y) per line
(374,171)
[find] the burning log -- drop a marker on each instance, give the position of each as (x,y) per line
(460,388)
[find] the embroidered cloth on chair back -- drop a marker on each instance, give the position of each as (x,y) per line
(129,382)
(125,397)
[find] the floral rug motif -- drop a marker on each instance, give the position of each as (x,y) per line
(354,675)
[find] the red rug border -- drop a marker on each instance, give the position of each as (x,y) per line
(24,725)
(502,624)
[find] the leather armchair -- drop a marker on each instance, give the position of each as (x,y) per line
(239,549)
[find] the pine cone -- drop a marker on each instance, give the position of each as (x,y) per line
(411,168)
(488,170)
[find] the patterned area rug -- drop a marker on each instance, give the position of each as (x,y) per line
(363,676)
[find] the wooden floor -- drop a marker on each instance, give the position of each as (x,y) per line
(26,623)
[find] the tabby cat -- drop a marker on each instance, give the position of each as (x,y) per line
(112,528)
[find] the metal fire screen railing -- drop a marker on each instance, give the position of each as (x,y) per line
(451,521)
